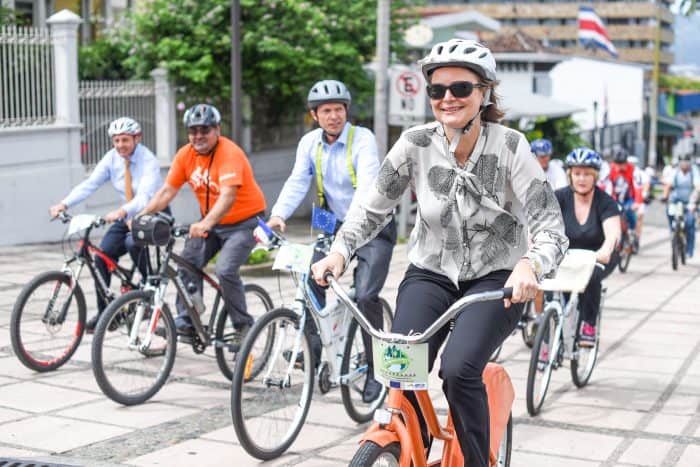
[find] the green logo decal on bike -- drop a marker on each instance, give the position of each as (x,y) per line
(395,360)
(401,366)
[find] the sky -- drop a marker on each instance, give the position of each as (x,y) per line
(687,41)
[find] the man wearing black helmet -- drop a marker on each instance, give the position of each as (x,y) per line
(230,200)
(342,158)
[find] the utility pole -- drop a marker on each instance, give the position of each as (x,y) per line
(654,101)
(236,121)
(381,127)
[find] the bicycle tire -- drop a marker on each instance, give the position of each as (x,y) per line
(506,446)
(683,248)
(674,252)
(369,453)
(42,360)
(358,410)
(529,325)
(581,379)
(225,353)
(116,323)
(625,253)
(545,335)
(251,416)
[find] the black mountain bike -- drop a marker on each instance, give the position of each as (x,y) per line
(133,350)
(679,243)
(48,318)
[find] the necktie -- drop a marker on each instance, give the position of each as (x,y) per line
(127,181)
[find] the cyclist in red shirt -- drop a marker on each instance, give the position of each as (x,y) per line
(624,189)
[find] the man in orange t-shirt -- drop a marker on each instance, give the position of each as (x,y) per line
(230,200)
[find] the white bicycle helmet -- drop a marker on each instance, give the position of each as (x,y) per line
(328,90)
(463,53)
(124,126)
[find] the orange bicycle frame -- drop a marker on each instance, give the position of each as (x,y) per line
(404,426)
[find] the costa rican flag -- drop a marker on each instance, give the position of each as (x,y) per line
(591,31)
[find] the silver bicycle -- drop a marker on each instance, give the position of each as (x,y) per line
(270,400)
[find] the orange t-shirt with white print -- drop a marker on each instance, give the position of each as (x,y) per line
(230,167)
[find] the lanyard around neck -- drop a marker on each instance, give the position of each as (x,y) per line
(348,157)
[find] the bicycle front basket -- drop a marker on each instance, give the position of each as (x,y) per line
(150,229)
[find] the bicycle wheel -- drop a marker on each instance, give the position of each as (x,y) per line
(683,248)
(542,360)
(585,357)
(128,371)
(529,324)
(371,454)
(506,446)
(47,321)
(675,251)
(353,371)
(258,302)
(625,253)
(269,410)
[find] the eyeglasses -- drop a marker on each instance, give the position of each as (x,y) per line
(201,130)
(457,89)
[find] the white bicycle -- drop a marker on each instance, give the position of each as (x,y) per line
(270,400)
(557,336)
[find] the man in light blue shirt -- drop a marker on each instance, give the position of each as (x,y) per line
(342,159)
(134,173)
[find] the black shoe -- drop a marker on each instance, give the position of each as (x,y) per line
(299,362)
(372,390)
(238,336)
(91,324)
(184,326)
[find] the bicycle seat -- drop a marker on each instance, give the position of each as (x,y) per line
(573,274)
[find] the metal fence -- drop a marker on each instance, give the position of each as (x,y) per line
(26,76)
(103,101)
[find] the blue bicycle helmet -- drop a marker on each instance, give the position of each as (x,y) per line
(584,157)
(541,147)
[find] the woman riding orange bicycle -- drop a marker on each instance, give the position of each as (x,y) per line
(479,191)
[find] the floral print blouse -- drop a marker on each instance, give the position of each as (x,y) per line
(471,220)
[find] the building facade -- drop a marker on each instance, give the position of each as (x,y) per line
(632,25)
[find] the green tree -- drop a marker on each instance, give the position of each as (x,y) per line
(286,45)
(688,7)
(9,16)
(562,132)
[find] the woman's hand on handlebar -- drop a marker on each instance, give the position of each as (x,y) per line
(523,282)
(333,263)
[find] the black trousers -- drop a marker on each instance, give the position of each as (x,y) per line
(115,244)
(589,303)
(424,296)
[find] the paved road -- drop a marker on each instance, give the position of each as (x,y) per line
(640,409)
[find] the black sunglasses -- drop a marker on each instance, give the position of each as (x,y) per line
(458,89)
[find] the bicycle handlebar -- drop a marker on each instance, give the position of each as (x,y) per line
(65,218)
(498,294)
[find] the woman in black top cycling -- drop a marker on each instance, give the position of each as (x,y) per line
(592,222)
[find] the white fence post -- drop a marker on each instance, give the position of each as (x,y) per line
(165,116)
(64,32)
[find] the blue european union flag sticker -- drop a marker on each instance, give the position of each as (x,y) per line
(323,220)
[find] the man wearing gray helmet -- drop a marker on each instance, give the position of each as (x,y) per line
(230,200)
(342,158)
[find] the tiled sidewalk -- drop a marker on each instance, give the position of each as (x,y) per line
(640,409)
